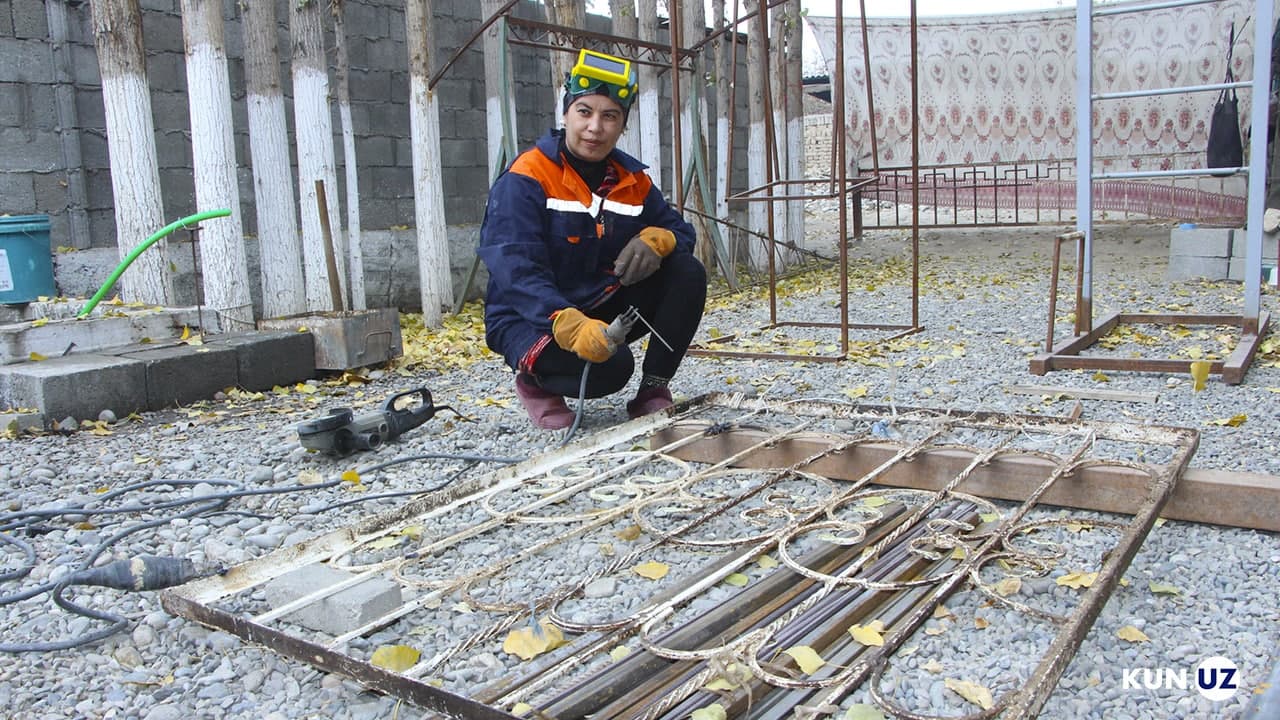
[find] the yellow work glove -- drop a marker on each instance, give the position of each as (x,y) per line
(642,256)
(582,336)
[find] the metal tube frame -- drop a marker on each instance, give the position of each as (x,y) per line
(1252,322)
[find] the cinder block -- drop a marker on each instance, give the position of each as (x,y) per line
(80,385)
(1200,242)
(266,359)
(183,374)
(338,613)
(1235,270)
(1186,267)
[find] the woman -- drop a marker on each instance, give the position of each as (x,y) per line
(574,234)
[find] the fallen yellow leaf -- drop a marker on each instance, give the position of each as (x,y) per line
(1077,579)
(875,501)
(981,623)
(714,711)
(766,562)
(652,570)
(1199,374)
(528,643)
(521,708)
(619,652)
(973,692)
(857,392)
(866,635)
(396,658)
(1132,634)
(737,580)
(1008,586)
(932,666)
(36,357)
(941,612)
(351,476)
(1101,377)
(628,533)
(1233,421)
(806,657)
(1163,589)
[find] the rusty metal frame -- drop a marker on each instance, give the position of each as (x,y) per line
(792,457)
(840,185)
(1065,355)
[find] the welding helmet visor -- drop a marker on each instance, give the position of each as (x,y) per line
(600,74)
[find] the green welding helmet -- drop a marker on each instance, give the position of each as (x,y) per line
(597,73)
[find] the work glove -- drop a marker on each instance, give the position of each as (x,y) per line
(582,336)
(643,254)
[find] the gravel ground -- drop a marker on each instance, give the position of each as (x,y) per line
(983,309)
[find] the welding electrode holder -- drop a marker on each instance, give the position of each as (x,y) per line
(342,432)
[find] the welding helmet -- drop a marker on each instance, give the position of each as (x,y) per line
(600,74)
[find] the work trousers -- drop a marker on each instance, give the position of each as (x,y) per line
(671,299)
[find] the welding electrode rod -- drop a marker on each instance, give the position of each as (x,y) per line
(637,675)
(830,639)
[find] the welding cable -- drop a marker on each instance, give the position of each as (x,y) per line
(577,413)
(86,574)
(402,493)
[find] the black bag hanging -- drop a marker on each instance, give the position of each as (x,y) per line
(1225,148)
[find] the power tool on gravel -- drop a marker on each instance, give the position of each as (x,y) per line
(342,432)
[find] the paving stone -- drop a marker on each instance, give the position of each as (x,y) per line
(338,613)
(80,385)
(183,374)
(269,358)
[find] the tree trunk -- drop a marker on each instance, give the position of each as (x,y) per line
(350,165)
(570,14)
(650,124)
(624,25)
(757,212)
(314,130)
(222,255)
(724,75)
(500,109)
(693,30)
(279,247)
(428,201)
(795,119)
(131,144)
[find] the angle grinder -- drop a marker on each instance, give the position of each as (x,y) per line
(342,432)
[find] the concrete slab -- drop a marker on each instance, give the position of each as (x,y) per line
(269,358)
(18,341)
(1202,242)
(80,385)
(1188,267)
(183,374)
(338,613)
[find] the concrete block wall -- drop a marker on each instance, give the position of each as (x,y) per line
(35,80)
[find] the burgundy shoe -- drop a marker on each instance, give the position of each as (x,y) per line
(546,410)
(649,400)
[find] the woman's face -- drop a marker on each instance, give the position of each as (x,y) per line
(592,126)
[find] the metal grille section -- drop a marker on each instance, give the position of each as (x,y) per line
(779,526)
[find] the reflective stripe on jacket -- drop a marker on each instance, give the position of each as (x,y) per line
(549,242)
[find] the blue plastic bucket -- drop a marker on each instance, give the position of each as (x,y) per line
(26,264)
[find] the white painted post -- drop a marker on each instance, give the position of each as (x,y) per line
(350,165)
(314,130)
(279,247)
(757,212)
(498,87)
(650,124)
(625,25)
(222,254)
(131,143)
(428,201)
